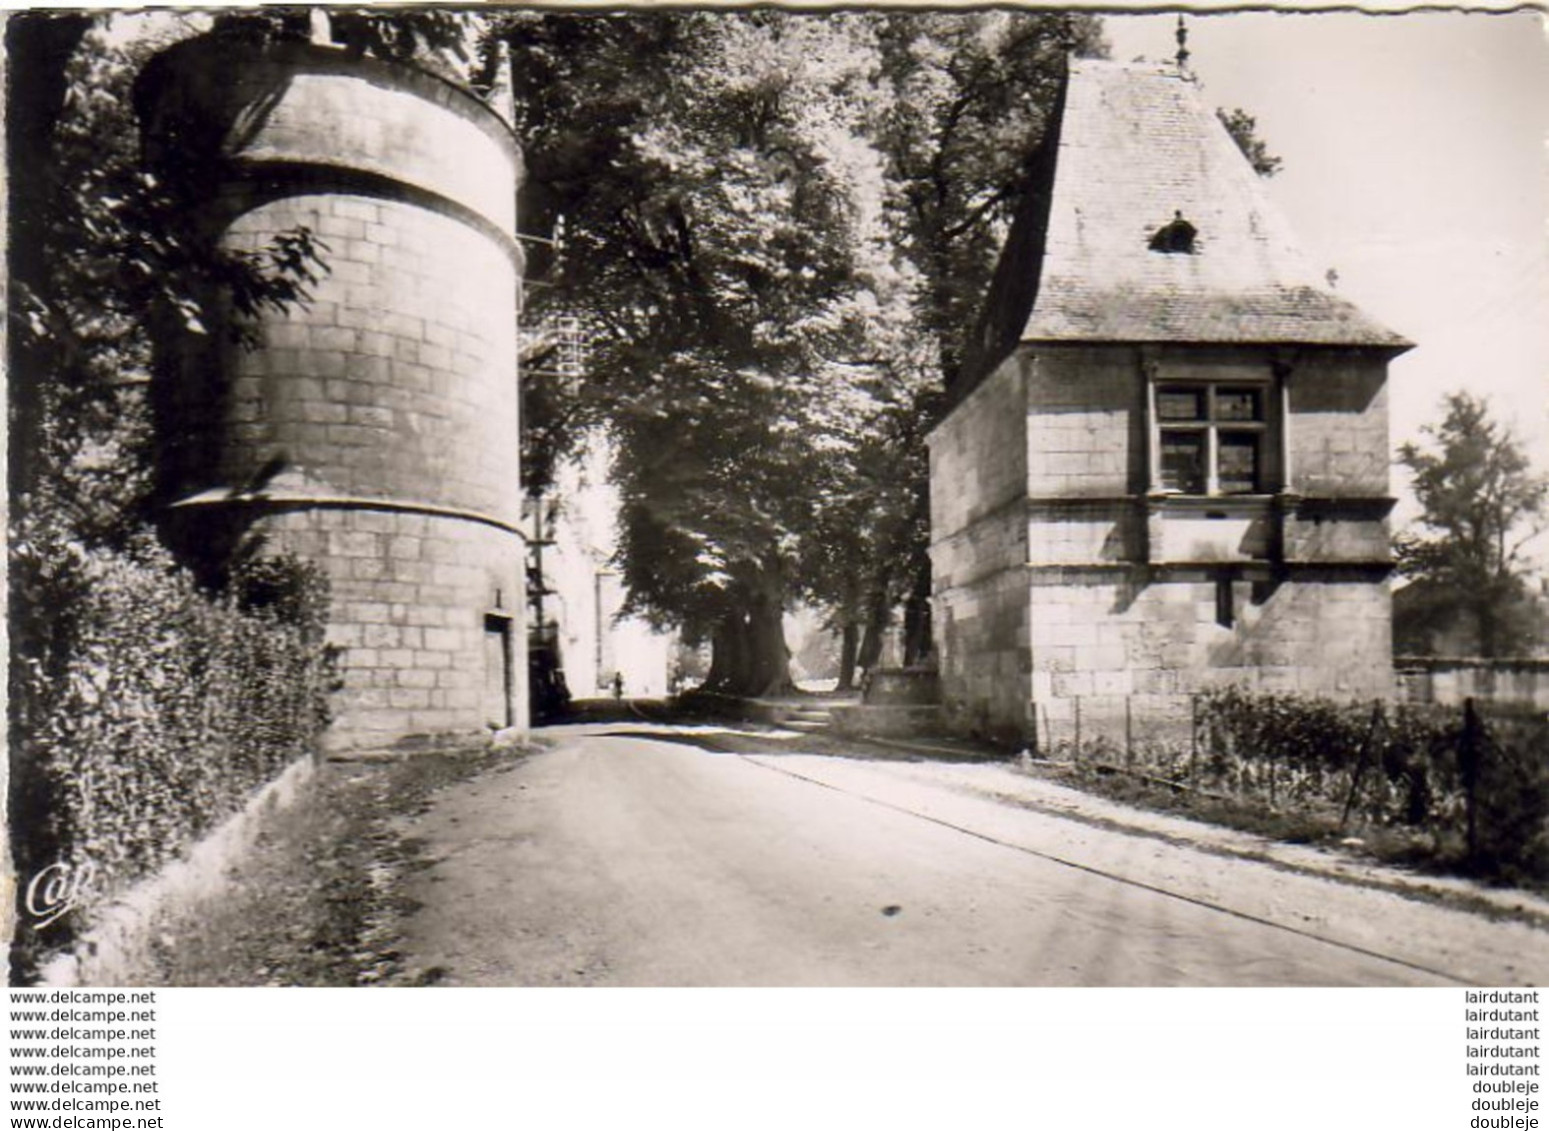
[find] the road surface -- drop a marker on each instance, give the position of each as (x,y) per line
(633,855)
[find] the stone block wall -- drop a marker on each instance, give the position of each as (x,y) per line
(979,554)
(1086,454)
(416,601)
(397,380)
(373,428)
(1086,421)
(979,455)
(1103,637)
(1134,603)
(1434,679)
(985,659)
(1339,424)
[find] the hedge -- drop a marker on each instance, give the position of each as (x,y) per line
(146,709)
(1476,782)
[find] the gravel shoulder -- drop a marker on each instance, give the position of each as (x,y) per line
(963,767)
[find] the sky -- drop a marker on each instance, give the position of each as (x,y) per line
(1416,167)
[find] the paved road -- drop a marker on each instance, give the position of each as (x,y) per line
(635,856)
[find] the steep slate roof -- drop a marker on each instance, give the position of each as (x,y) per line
(1136,144)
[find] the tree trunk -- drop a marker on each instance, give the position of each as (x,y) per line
(918,643)
(725,662)
(769,660)
(748,653)
(848,651)
(876,625)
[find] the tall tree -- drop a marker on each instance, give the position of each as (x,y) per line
(970,96)
(709,171)
(778,228)
(1481,503)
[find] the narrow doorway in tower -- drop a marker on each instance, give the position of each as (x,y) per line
(497,671)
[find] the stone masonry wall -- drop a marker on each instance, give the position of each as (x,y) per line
(1126,624)
(1102,639)
(1086,454)
(1132,606)
(978,555)
(1339,451)
(413,598)
(1339,432)
(1433,679)
(374,428)
(1086,421)
(398,379)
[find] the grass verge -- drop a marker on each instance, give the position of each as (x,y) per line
(317,901)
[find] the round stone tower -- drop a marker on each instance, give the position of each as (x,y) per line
(373,428)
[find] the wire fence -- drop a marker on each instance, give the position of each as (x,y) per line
(1472,780)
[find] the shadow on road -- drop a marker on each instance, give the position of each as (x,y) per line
(657,719)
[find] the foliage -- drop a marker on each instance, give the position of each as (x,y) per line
(1244,127)
(1478,788)
(724,255)
(144,710)
(107,258)
(962,102)
(969,96)
(1481,503)
(435,38)
(779,226)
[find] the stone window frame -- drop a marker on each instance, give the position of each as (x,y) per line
(1267,426)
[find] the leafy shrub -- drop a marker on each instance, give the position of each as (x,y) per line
(144,709)
(1477,785)
(1509,835)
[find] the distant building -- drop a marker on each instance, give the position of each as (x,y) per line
(1167,463)
(584,593)
(1427,621)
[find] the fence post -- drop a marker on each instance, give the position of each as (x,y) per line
(1129,746)
(1360,763)
(1193,734)
(1268,749)
(1470,762)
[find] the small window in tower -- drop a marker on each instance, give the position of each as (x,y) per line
(1186,403)
(1176,237)
(1183,462)
(1237,467)
(1209,438)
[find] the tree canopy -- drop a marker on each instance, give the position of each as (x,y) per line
(1481,503)
(777,227)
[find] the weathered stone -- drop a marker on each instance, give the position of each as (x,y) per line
(395,452)
(1054,534)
